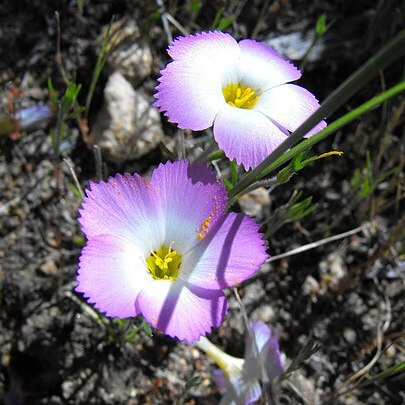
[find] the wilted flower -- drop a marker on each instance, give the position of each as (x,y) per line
(239,378)
(242,89)
(25,119)
(165,249)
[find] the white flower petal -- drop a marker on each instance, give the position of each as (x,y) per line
(263,68)
(246,135)
(289,106)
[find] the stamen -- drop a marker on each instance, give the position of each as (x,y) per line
(164,263)
(240,96)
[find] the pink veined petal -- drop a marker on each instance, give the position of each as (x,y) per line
(289,106)
(126,206)
(111,273)
(181,311)
(191,197)
(189,95)
(264,68)
(246,135)
(231,253)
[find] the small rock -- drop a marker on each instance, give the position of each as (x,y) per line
(49,268)
(349,335)
(128,52)
(333,270)
(295,45)
(264,313)
(255,202)
(127,127)
(311,287)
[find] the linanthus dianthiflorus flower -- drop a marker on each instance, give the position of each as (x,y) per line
(165,248)
(239,378)
(241,88)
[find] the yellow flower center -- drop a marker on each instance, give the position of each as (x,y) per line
(240,96)
(164,263)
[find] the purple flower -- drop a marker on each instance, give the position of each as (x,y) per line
(239,378)
(242,89)
(165,249)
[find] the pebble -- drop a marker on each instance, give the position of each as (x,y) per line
(255,203)
(128,52)
(349,335)
(126,127)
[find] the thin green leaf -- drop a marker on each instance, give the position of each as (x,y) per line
(166,151)
(52,93)
(102,58)
(277,159)
(147,329)
(385,57)
(217,155)
(320,27)
(234,172)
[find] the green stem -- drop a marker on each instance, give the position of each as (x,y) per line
(334,126)
(392,51)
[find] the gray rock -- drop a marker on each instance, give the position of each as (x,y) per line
(127,127)
(128,53)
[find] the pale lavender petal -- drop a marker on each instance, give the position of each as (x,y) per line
(111,273)
(272,359)
(262,335)
(289,106)
(213,46)
(252,392)
(220,379)
(31,116)
(246,135)
(181,311)
(189,96)
(242,390)
(268,347)
(190,89)
(263,68)
(231,253)
(191,197)
(126,206)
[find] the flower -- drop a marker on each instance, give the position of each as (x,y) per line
(239,378)
(240,88)
(165,249)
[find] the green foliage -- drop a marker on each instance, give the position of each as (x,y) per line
(309,349)
(295,210)
(298,163)
(221,23)
(234,172)
(167,152)
(192,381)
(362,181)
(289,148)
(397,368)
(217,155)
(122,330)
(79,240)
(80,6)
(101,60)
(320,27)
(146,328)
(66,107)
(194,6)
